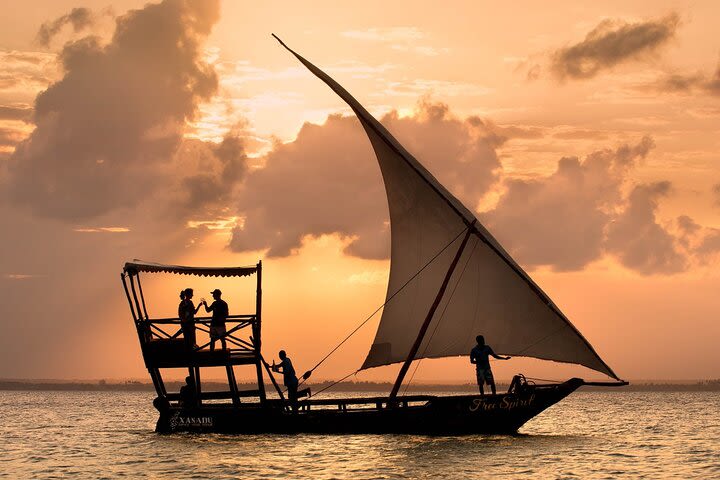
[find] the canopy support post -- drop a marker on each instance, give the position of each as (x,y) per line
(142,297)
(127,294)
(428,318)
(198,386)
(135,297)
(143,327)
(157,381)
(257,331)
(232,383)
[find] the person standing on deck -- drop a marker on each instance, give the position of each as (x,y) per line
(220,312)
(181,312)
(187,313)
(480,356)
(289,378)
(181,306)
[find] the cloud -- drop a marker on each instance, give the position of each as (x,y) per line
(560,220)
(402,39)
(580,214)
(9,137)
(713,84)
(108,135)
(688,229)
(688,83)
(107,131)
(78,18)
(681,83)
(327,180)
(519,131)
(533,73)
(580,134)
(24,74)
(18,276)
(716,193)
(421,87)
(702,244)
(217,169)
(709,246)
(392,34)
(611,43)
(15,112)
(101,229)
(371,277)
(638,241)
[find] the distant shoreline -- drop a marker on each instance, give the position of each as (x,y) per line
(136,386)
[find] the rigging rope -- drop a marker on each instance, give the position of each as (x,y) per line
(334,383)
(307,374)
(544,380)
(442,315)
(417,365)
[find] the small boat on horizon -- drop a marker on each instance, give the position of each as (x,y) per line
(450,279)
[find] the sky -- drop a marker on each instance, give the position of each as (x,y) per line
(584,136)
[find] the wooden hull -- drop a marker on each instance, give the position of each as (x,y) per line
(433,415)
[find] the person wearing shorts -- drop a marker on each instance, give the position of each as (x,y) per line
(485,376)
(480,357)
(220,312)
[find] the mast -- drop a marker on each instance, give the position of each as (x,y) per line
(431,312)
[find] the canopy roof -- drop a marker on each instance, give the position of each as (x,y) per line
(136,266)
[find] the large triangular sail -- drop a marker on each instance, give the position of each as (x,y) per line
(488,293)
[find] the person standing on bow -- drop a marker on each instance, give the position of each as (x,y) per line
(289,378)
(220,312)
(187,311)
(480,356)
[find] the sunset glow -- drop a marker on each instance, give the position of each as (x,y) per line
(585,136)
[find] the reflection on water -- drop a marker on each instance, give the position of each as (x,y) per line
(587,435)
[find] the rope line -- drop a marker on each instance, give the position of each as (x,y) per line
(307,374)
(544,380)
(407,385)
(334,383)
(442,315)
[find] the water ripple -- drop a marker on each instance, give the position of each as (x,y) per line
(590,435)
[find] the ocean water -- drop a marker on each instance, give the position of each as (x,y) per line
(588,435)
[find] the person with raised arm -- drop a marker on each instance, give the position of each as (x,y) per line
(289,378)
(220,312)
(480,357)
(187,311)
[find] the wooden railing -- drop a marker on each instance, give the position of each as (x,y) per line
(154,329)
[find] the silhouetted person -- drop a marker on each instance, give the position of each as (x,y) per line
(180,305)
(219,309)
(480,356)
(181,312)
(187,311)
(289,378)
(187,393)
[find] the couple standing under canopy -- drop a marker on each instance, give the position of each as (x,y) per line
(187,311)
